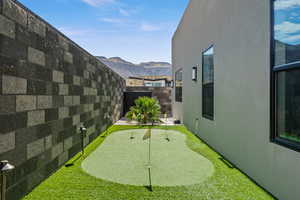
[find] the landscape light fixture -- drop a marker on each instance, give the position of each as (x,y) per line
(5,167)
(194,73)
(82,131)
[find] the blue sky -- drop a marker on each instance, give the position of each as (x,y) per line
(287,21)
(136,30)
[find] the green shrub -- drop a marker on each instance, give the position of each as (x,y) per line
(145,110)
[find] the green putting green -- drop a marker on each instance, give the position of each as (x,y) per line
(124,158)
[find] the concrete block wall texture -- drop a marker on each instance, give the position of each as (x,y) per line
(49,87)
(162,94)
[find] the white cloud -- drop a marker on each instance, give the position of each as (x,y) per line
(112,20)
(293,38)
(287,27)
(149,27)
(288,32)
(124,12)
(286,4)
(96,3)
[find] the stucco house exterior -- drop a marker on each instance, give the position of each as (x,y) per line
(236,68)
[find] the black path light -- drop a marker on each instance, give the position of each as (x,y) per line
(83,133)
(5,168)
(82,130)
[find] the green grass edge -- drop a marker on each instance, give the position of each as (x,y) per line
(192,141)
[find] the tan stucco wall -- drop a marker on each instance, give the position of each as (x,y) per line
(239,30)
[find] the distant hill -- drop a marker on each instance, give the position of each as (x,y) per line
(117,60)
(127,69)
(155,64)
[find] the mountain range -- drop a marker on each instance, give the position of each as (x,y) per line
(127,69)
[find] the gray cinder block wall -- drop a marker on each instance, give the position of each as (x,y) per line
(49,86)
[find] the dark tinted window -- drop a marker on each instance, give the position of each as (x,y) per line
(178,86)
(286,78)
(208,83)
(288,105)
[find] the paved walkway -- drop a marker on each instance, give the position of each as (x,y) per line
(166,122)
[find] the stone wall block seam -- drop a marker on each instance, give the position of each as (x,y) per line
(63,89)
(7,142)
(15,12)
(63,158)
(13,85)
(35,148)
(44,102)
(48,142)
(76,80)
(63,112)
(68,57)
(35,117)
(36,25)
(56,150)
(7,27)
(36,56)
(25,103)
(68,143)
(7,104)
(58,76)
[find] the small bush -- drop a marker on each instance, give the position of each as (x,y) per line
(145,110)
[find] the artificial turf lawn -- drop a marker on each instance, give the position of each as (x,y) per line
(224,184)
(129,157)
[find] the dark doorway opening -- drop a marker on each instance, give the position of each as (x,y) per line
(130,97)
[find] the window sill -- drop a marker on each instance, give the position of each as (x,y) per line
(208,117)
(288,66)
(287,143)
(178,101)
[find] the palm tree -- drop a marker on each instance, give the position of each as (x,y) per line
(146,110)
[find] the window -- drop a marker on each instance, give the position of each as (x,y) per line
(208,83)
(178,86)
(154,84)
(285,77)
